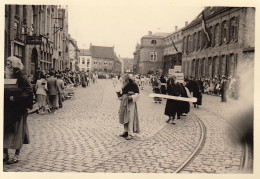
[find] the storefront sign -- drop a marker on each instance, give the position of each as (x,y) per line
(34,40)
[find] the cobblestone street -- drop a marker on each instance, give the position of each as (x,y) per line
(83,136)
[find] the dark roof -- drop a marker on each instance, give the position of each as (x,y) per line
(102,52)
(208,12)
(84,52)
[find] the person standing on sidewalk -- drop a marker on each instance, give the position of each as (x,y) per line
(128,115)
(52,89)
(16,102)
(41,88)
(197,92)
(60,87)
(223,89)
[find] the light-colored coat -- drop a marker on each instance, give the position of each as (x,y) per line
(41,89)
(128,111)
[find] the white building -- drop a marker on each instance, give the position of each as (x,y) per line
(85,60)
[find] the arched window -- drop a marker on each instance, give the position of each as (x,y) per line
(183,44)
(194,41)
(224,30)
(199,40)
(189,43)
(211,35)
(83,60)
(234,28)
(216,34)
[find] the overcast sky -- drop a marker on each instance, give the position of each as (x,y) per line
(122,24)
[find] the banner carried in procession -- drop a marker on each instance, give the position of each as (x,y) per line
(171,71)
(177,69)
(193,100)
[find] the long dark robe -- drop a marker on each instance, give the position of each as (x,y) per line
(163,87)
(197,92)
(184,106)
(172,106)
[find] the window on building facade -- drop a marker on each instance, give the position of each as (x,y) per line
(188,44)
(234,28)
(177,37)
(17,11)
(183,45)
(224,30)
(216,34)
(194,41)
(211,35)
(83,61)
(153,56)
(199,40)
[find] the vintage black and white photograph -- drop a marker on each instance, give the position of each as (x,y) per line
(127,87)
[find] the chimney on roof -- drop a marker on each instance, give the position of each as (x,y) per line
(176,27)
(150,33)
(186,23)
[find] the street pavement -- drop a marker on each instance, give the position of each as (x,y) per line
(83,136)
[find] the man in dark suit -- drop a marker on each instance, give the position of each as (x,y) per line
(52,90)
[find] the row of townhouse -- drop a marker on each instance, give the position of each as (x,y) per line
(228,49)
(38,35)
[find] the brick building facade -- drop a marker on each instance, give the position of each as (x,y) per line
(231,46)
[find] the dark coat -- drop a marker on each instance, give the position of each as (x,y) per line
(172,106)
(163,87)
(15,112)
(52,85)
(197,91)
(184,106)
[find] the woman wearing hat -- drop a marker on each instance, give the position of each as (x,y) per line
(128,115)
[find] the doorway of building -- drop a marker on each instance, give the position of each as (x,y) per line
(34,61)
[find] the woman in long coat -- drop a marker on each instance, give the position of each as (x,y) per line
(16,102)
(83,80)
(197,92)
(128,115)
(173,106)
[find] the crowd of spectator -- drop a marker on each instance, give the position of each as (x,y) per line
(52,87)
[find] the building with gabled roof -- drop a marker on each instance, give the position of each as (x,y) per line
(103,58)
